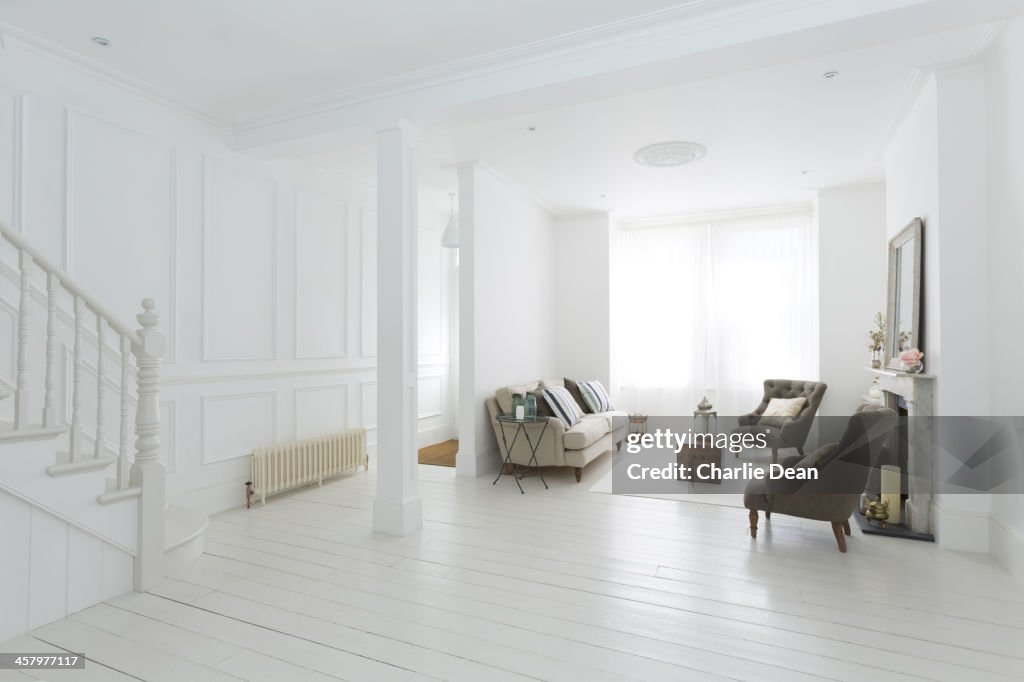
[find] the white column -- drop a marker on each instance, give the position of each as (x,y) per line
(397,508)
(470,408)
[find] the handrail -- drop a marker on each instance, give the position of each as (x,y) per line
(73,287)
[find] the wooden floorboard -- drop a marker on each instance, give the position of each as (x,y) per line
(559,584)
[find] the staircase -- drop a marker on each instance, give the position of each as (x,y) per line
(82,383)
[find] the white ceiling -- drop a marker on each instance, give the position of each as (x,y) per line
(763,128)
(241,59)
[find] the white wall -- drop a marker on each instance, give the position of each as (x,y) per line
(851,288)
(507,303)
(1005,274)
(937,168)
(262,271)
(583,304)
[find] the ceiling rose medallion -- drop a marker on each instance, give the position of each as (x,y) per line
(668,154)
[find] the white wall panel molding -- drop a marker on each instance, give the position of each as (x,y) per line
(430,396)
(168,435)
(232,425)
(368,284)
(187,379)
(368,404)
(12,166)
(239,256)
(121,184)
(320,409)
(321,275)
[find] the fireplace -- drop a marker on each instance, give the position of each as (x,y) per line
(911,447)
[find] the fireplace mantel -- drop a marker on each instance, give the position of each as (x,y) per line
(918,396)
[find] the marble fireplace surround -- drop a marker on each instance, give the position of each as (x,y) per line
(918,394)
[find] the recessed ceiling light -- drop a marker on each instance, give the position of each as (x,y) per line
(532,128)
(604,196)
(804,172)
(830,74)
(668,154)
(101,41)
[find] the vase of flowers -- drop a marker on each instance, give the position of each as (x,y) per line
(876,341)
(911,359)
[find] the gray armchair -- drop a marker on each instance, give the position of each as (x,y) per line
(842,472)
(785,432)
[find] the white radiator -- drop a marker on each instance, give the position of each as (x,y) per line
(303,462)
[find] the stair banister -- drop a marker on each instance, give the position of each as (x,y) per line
(145,478)
(147,472)
(67,282)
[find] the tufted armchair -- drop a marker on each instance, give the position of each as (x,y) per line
(842,472)
(785,432)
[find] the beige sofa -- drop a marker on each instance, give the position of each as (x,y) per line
(559,447)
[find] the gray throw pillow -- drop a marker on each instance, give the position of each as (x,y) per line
(574,391)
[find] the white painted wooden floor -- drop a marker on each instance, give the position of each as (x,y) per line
(562,584)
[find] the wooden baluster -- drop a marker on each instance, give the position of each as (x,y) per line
(49,400)
(101,346)
(21,381)
(147,473)
(76,383)
(122,453)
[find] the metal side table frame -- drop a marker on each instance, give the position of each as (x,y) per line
(521,425)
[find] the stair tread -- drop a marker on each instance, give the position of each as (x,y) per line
(81,466)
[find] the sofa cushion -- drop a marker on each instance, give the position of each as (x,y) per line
(588,430)
(504,394)
(543,409)
(595,396)
(562,404)
(574,391)
(785,407)
(551,383)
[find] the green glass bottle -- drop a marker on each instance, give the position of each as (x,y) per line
(518,409)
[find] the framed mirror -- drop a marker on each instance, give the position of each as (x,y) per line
(903,321)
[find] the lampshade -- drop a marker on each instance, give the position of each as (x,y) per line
(450,237)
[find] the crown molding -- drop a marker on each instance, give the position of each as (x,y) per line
(919,77)
(13,37)
(806,208)
(671,26)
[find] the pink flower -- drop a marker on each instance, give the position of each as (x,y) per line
(911,356)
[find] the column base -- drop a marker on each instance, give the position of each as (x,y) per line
(398,518)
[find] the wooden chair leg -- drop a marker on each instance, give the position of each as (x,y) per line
(579,473)
(775,455)
(837,530)
(768,515)
(846,526)
(753,523)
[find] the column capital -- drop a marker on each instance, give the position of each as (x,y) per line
(392,124)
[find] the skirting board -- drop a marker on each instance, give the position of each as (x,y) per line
(477,464)
(1008,548)
(965,531)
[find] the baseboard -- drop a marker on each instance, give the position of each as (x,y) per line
(961,530)
(477,464)
(435,434)
(212,499)
(1007,547)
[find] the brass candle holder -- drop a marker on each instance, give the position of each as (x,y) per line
(877,510)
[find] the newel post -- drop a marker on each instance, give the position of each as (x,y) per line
(147,472)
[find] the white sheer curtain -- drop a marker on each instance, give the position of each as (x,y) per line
(713,308)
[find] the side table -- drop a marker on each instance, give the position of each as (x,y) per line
(521,428)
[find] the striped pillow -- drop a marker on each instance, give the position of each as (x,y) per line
(595,396)
(562,404)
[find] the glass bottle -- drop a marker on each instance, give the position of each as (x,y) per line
(518,410)
(531,406)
